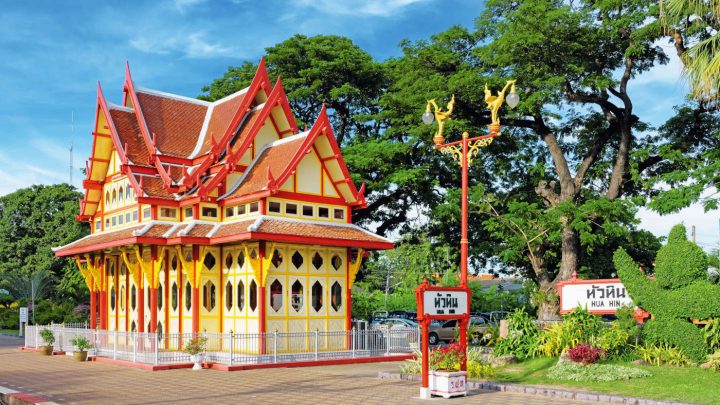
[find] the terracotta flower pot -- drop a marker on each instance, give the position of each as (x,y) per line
(46,350)
(80,355)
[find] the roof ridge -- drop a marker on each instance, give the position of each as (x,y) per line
(113,106)
(257,158)
(140,89)
(229,96)
(263,218)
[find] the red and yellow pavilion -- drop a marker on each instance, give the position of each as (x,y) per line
(217,216)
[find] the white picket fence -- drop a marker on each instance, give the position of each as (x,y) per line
(233,348)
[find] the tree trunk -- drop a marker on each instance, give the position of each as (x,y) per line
(570,254)
(548,307)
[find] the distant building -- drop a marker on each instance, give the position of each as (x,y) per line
(217,216)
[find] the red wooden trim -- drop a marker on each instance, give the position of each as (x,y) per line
(287,131)
(333,157)
(101,135)
(92,185)
(314,363)
(321,241)
(139,169)
(246,198)
(99,160)
(174,160)
(158,201)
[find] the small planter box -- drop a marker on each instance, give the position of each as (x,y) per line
(448,383)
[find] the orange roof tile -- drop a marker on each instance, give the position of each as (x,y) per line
(233,228)
(176,123)
(129,134)
(222,114)
(275,158)
(316,230)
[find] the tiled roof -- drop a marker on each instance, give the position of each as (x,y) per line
(222,114)
(317,230)
(275,157)
(154,187)
(129,134)
(175,123)
(233,228)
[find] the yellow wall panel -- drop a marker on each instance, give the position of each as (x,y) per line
(308,175)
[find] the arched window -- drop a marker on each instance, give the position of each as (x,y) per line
(317,260)
(276,294)
(253,295)
(317,296)
(228,295)
(121,195)
(107,198)
(122,298)
(228,261)
(188,295)
(336,296)
(240,295)
(336,262)
(174,296)
(133,297)
(209,295)
(277,258)
(128,194)
(160,297)
(296,296)
(114,197)
(112,298)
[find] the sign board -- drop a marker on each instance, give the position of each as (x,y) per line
(23,314)
(597,296)
(445,302)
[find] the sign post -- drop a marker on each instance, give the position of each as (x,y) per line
(440,303)
(23,319)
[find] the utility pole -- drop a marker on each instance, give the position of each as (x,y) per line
(693,233)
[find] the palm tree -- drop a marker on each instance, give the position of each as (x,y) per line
(693,25)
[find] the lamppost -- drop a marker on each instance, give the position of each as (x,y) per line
(463,152)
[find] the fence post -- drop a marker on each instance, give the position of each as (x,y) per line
(352,344)
(60,338)
(114,345)
(317,339)
(134,338)
(97,343)
(275,337)
(232,346)
(155,345)
(387,341)
(37,337)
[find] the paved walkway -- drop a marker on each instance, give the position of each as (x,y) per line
(63,380)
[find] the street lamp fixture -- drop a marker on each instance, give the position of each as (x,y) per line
(463,152)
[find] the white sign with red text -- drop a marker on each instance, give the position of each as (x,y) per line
(446,302)
(604,297)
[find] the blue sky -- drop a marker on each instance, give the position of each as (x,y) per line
(52,54)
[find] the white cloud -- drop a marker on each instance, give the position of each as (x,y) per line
(375,8)
(183,5)
(192,45)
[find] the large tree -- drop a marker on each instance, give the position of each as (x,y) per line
(32,221)
(335,71)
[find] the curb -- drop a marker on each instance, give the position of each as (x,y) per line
(10,396)
(544,391)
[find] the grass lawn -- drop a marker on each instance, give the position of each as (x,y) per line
(9,331)
(689,384)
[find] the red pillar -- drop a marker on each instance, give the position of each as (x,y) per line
(141,301)
(153,292)
(464,243)
(261,303)
(93,309)
(195,293)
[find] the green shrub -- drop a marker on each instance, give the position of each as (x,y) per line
(711,333)
(595,372)
(679,293)
(48,336)
(614,341)
(523,336)
(479,370)
(662,355)
(81,342)
(9,318)
(713,361)
(577,327)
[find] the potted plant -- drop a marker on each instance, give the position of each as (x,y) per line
(446,378)
(82,344)
(196,349)
(49,338)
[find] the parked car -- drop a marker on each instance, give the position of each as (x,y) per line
(393,323)
(378,316)
(449,330)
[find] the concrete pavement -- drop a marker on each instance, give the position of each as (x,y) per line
(61,379)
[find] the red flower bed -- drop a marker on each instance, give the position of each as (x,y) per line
(584,354)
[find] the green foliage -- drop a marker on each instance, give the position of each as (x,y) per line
(711,332)
(477,365)
(195,345)
(713,361)
(577,326)
(662,354)
(47,336)
(479,370)
(47,312)
(522,338)
(82,343)
(32,220)
(681,292)
(6,300)
(614,340)
(9,318)
(595,372)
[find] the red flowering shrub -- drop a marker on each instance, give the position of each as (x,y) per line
(447,358)
(584,354)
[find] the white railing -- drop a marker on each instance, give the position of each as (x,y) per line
(233,348)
